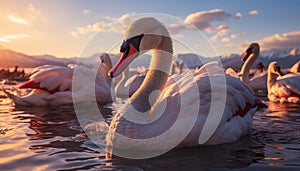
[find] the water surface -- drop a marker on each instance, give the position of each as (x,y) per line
(41,138)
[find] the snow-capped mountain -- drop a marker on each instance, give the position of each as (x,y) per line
(280,53)
(9,58)
(285,57)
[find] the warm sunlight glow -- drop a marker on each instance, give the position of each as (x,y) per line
(64,29)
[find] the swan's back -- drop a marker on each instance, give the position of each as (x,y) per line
(286,85)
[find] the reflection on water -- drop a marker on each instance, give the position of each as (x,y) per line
(52,139)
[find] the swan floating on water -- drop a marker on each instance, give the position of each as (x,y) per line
(52,85)
(283,88)
(167,112)
(259,81)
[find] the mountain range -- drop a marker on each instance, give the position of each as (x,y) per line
(285,57)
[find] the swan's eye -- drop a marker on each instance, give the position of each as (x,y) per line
(135,41)
(249,50)
(124,46)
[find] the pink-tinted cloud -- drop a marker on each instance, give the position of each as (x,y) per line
(86,11)
(203,19)
(9,37)
(221,31)
(225,39)
(277,41)
(114,24)
(236,35)
(29,16)
(17,19)
(253,12)
(281,41)
(238,16)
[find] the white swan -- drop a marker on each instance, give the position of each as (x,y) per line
(161,112)
(129,84)
(283,88)
(259,81)
(295,68)
(52,85)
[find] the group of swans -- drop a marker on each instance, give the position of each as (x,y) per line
(52,85)
(258,82)
(164,112)
(281,87)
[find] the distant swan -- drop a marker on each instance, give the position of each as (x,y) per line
(129,84)
(259,81)
(151,112)
(52,85)
(283,88)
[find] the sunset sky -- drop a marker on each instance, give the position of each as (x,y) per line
(66,28)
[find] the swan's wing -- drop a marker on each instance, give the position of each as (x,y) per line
(237,94)
(212,98)
(134,83)
(50,78)
(259,81)
(286,85)
(211,67)
(43,67)
(231,72)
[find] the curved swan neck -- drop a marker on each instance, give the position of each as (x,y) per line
(247,66)
(120,86)
(271,78)
(107,66)
(156,78)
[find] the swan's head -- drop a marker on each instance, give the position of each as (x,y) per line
(104,58)
(274,68)
(142,35)
(253,48)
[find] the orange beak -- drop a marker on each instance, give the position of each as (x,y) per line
(124,61)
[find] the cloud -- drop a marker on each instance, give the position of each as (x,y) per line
(203,19)
(225,39)
(112,25)
(89,28)
(277,41)
(215,38)
(238,16)
(221,30)
(8,38)
(86,11)
(236,35)
(30,15)
(281,41)
(253,12)
(17,19)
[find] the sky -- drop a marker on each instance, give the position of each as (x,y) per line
(71,28)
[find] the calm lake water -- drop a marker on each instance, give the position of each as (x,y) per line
(35,138)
